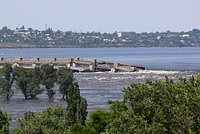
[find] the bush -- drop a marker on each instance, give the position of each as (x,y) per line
(158,107)
(153,107)
(51,120)
(4,122)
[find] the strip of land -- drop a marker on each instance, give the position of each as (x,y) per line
(33,38)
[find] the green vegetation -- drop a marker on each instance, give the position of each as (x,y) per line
(57,120)
(77,106)
(29,81)
(21,37)
(4,122)
(51,120)
(153,107)
(65,79)
(7,81)
(48,77)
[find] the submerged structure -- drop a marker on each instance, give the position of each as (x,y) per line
(76,64)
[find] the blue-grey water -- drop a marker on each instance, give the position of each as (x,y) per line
(98,88)
(151,58)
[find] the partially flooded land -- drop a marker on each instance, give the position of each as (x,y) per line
(97,88)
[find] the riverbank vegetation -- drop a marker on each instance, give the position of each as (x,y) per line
(161,106)
(29,38)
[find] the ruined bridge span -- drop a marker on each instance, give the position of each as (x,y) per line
(76,64)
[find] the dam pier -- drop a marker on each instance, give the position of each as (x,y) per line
(76,64)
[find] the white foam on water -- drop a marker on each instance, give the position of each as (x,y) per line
(157,72)
(146,72)
(167,72)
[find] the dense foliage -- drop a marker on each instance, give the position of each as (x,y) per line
(51,120)
(57,120)
(4,122)
(7,81)
(77,106)
(65,79)
(162,106)
(153,107)
(30,81)
(22,37)
(48,78)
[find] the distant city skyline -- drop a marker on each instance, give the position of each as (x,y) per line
(102,15)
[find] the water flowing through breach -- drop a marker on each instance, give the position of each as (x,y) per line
(97,88)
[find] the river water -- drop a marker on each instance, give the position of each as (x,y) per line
(98,88)
(151,58)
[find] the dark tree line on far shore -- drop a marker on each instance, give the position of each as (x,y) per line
(22,37)
(31,81)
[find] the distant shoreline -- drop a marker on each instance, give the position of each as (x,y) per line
(22,47)
(30,38)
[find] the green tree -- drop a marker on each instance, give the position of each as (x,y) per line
(158,107)
(48,78)
(128,123)
(98,121)
(80,129)
(65,79)
(70,120)
(4,122)
(7,81)
(6,30)
(28,81)
(76,106)
(50,121)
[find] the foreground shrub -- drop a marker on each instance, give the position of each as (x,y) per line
(4,122)
(152,107)
(158,107)
(57,120)
(51,120)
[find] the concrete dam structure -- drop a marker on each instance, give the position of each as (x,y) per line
(76,64)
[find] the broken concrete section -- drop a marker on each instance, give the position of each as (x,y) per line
(76,64)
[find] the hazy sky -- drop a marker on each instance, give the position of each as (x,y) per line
(102,15)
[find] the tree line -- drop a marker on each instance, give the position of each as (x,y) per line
(54,120)
(21,37)
(29,81)
(161,106)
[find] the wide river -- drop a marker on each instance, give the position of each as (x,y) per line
(98,88)
(151,58)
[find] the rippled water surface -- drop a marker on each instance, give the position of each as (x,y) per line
(98,88)
(151,58)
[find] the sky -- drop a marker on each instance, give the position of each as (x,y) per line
(102,15)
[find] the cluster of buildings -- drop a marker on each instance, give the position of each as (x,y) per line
(48,38)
